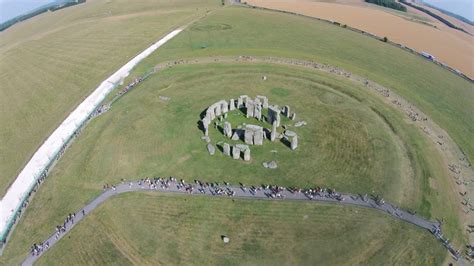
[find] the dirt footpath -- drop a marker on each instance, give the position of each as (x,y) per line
(455,49)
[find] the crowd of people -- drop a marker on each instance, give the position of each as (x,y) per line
(226,189)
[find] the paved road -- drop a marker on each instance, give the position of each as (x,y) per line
(263,193)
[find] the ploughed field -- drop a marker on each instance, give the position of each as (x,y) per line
(50,63)
(352,142)
(161,229)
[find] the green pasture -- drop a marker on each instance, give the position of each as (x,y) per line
(50,63)
(346,145)
(139,229)
(444,96)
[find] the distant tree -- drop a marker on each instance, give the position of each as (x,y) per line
(388,3)
(385,39)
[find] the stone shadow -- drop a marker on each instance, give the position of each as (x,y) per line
(286,142)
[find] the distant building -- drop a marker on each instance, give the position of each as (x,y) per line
(428,56)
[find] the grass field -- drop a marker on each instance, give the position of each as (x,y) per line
(345,145)
(171,230)
(445,97)
(50,63)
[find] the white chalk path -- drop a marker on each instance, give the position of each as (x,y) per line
(25,181)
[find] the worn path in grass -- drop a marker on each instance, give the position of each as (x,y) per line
(238,192)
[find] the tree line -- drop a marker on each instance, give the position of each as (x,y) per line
(388,3)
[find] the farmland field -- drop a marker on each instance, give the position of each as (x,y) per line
(450,46)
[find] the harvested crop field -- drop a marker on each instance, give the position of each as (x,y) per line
(448,46)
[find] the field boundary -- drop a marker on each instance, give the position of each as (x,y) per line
(382,39)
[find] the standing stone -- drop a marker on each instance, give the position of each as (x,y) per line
(263,100)
(227,129)
(226,149)
(210,113)
(286,111)
(232,105)
(242,100)
(257,101)
(239,103)
(248,136)
(211,149)
(258,112)
(250,108)
(273,114)
(224,106)
(294,142)
(235,153)
(293,116)
(206,131)
(247,155)
(274,131)
(218,110)
(258,137)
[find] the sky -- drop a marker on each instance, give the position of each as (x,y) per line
(12,8)
(464,8)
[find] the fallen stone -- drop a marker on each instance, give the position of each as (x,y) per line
(270,165)
(290,133)
(211,149)
(165,98)
(242,147)
(294,142)
(300,123)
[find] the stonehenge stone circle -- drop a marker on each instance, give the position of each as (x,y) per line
(250,134)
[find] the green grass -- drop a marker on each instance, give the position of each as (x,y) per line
(346,145)
(172,230)
(445,97)
(50,63)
